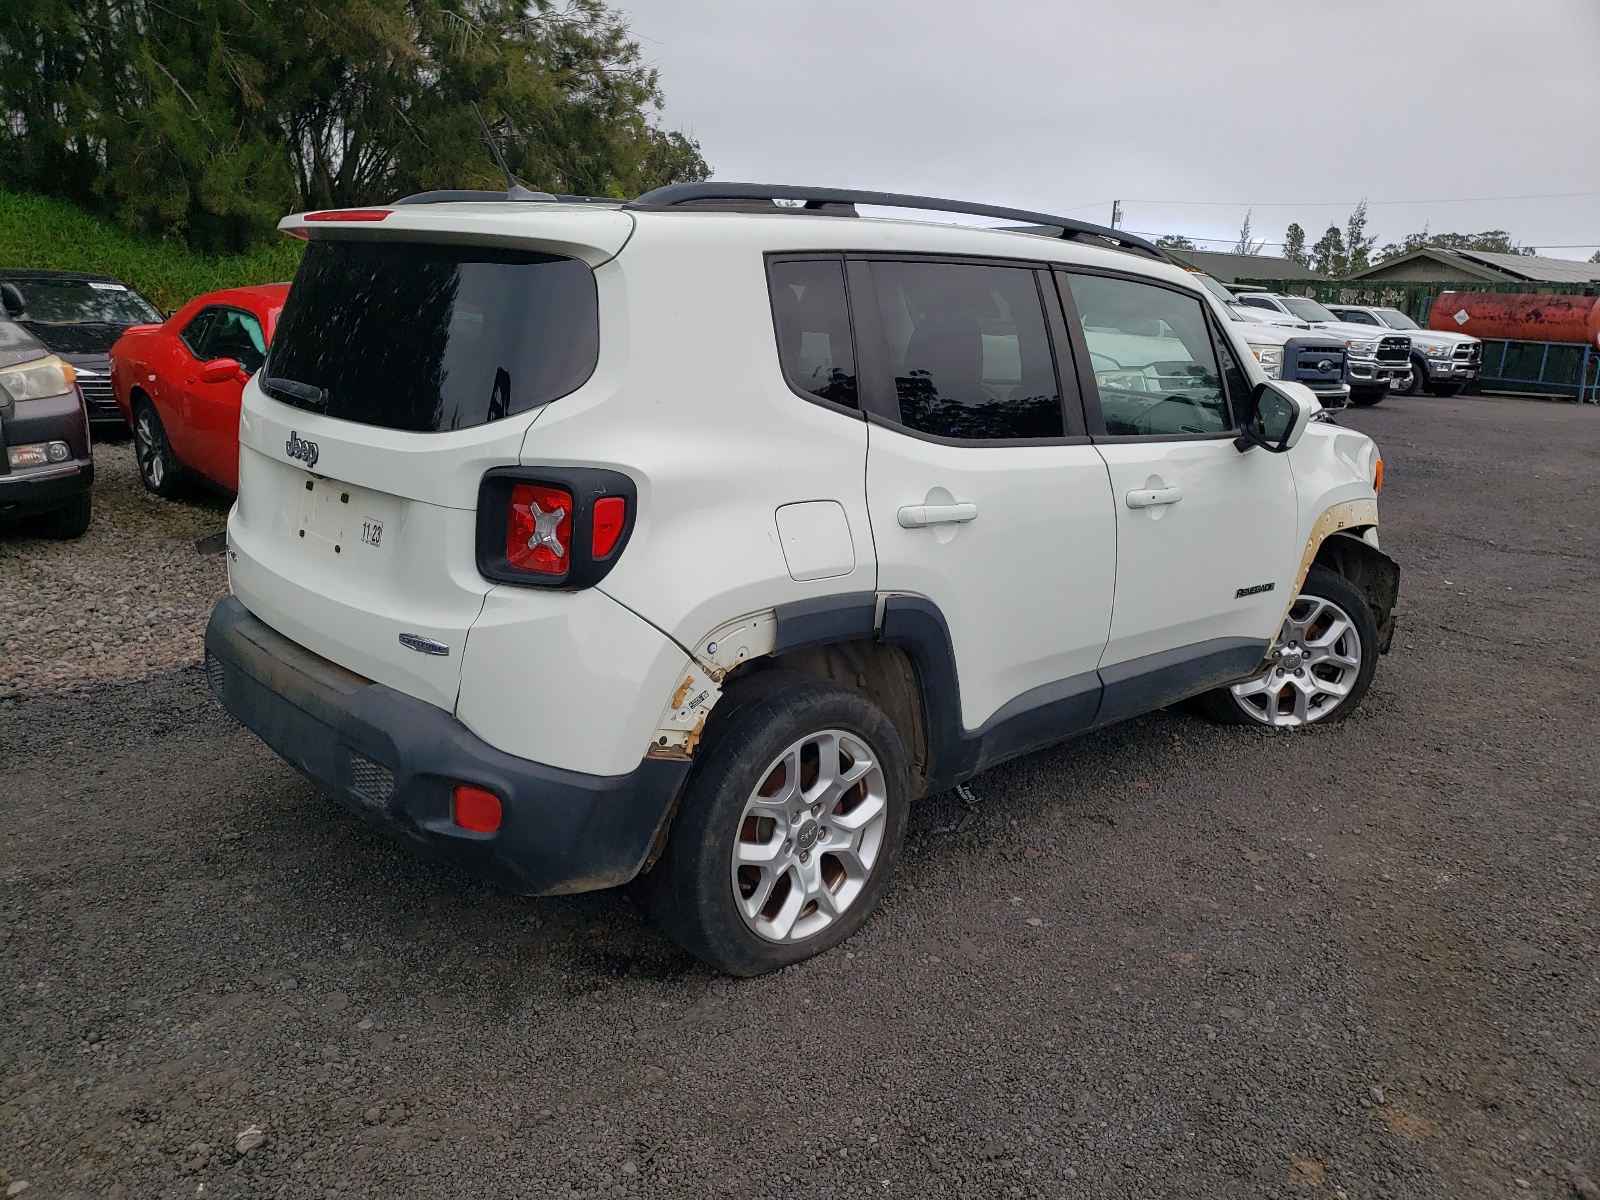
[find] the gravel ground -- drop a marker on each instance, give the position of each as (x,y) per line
(130,597)
(1168,960)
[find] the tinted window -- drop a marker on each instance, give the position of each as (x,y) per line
(194,333)
(1152,356)
(813,324)
(1256,302)
(237,335)
(432,337)
(1356,316)
(969,351)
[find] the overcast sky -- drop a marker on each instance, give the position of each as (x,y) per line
(1190,111)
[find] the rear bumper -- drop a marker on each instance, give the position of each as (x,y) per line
(395,760)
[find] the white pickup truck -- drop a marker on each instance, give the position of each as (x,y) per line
(1379,360)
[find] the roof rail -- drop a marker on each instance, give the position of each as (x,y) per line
(457,196)
(839,201)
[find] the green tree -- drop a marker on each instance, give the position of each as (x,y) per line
(1357,244)
(209,119)
(1328,256)
(1245,245)
(1294,245)
(1493,241)
(1175,241)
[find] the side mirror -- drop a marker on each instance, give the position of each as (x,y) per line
(1275,416)
(11,297)
(220,370)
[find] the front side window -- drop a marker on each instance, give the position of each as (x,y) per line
(812,320)
(194,333)
(1357,317)
(969,350)
(1153,360)
(428,337)
(236,335)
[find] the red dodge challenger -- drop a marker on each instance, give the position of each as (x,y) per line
(178,384)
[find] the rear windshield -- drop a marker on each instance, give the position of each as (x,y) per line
(431,337)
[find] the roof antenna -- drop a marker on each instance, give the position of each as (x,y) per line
(514,190)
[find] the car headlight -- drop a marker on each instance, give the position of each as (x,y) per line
(1271,360)
(1365,349)
(1437,351)
(37,379)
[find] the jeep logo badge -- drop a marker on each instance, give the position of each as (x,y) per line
(298,447)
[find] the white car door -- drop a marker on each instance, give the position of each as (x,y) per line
(985,495)
(1206,534)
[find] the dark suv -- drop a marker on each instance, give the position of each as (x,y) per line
(46,472)
(78,316)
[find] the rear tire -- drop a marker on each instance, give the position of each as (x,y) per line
(1329,643)
(67,523)
(158,465)
(790,828)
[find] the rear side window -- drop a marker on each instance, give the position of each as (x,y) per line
(968,349)
(432,337)
(812,320)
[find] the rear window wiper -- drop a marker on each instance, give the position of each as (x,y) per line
(305,393)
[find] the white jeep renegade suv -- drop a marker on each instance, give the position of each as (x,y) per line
(688,540)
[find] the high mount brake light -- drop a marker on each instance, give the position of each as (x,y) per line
(348,214)
(539,530)
(554,527)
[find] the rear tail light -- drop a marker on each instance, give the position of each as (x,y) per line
(539,530)
(475,809)
(562,527)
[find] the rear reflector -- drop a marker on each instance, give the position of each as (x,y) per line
(1377,477)
(610,519)
(539,530)
(475,809)
(348,214)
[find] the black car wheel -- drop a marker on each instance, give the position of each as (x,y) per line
(1419,377)
(158,466)
(67,523)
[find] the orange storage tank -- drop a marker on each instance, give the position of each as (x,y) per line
(1518,316)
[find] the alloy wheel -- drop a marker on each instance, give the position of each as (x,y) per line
(809,836)
(1313,666)
(147,449)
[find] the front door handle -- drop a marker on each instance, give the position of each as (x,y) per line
(1154,497)
(919,516)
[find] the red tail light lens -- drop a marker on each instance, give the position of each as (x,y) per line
(476,809)
(610,519)
(539,530)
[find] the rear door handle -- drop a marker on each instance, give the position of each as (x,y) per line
(919,516)
(1154,497)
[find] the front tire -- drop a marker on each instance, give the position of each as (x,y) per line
(1419,378)
(67,523)
(1366,398)
(1444,390)
(791,825)
(158,465)
(1320,667)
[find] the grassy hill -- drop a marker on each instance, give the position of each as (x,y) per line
(39,232)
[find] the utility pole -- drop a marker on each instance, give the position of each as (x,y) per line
(1116,213)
